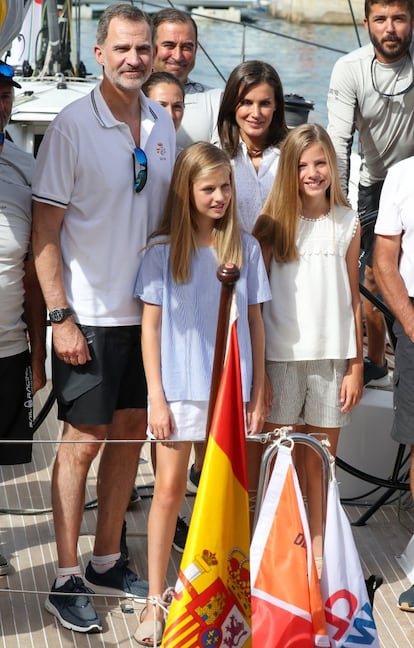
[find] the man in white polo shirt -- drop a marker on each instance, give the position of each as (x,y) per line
(175,40)
(101,178)
(394,270)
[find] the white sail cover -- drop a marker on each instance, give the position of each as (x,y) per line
(13,11)
(24,46)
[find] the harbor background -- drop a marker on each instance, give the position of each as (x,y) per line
(304,69)
(318,10)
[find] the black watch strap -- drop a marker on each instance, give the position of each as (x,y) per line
(58,315)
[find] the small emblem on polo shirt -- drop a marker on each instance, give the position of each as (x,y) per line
(161,150)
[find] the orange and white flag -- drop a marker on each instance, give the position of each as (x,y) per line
(348,611)
(287,610)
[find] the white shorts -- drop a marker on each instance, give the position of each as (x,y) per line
(190,418)
(307,392)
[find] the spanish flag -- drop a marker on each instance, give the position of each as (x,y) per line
(287,610)
(211,605)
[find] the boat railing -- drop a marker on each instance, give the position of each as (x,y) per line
(398,479)
(285,436)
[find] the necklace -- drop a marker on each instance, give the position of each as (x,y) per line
(313,220)
(393,92)
(255,152)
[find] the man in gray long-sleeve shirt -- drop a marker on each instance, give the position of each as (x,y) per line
(372,91)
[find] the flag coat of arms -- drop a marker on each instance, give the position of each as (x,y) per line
(348,611)
(211,605)
(287,610)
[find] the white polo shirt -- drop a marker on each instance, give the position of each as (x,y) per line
(199,124)
(85,165)
(396,217)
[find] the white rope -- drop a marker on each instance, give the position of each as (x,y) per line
(124,595)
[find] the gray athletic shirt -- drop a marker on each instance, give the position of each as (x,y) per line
(385,124)
(16,168)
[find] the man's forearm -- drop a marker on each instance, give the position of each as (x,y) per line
(47,221)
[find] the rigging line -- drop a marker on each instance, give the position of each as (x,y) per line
(207,55)
(296,39)
(354,22)
(89,506)
(242,23)
(245,25)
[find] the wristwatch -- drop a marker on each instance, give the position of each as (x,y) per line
(58,315)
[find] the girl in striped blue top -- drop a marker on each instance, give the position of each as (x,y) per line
(178,285)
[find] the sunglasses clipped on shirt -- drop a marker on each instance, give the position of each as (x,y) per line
(6,70)
(140,163)
(6,75)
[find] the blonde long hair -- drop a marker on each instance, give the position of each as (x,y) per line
(179,224)
(277,226)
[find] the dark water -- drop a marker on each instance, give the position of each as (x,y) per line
(303,68)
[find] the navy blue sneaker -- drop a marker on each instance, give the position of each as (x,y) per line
(135,496)
(123,547)
(375,376)
(180,535)
(406,600)
(117,580)
(74,611)
(193,480)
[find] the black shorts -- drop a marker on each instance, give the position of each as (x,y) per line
(403,427)
(113,380)
(16,408)
(368,205)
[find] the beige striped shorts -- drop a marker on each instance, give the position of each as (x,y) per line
(307,392)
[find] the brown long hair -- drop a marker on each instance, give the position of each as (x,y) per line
(178,226)
(240,82)
(277,226)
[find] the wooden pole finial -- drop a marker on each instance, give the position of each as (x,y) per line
(228,274)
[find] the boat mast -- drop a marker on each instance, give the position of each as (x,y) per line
(55,52)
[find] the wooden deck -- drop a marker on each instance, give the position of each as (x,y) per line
(27,539)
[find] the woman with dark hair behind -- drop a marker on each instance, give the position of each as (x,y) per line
(167,90)
(251,126)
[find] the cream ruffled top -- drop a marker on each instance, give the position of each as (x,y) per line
(310,316)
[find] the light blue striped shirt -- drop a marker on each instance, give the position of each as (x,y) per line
(189,316)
